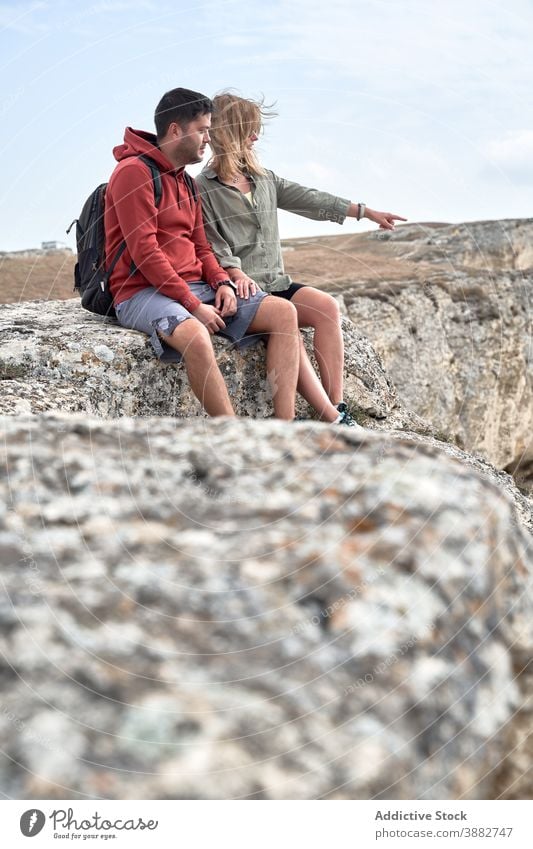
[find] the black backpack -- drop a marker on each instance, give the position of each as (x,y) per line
(91,279)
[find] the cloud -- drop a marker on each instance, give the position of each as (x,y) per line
(514,149)
(120,6)
(319,173)
(22,18)
(42,18)
(236,41)
(512,154)
(456,50)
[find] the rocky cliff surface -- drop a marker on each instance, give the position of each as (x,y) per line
(266,610)
(56,356)
(453,327)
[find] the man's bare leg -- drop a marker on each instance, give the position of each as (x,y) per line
(191,338)
(321,311)
(278,318)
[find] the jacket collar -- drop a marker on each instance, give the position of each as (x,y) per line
(208,172)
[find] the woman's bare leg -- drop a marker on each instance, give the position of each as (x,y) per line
(280,321)
(319,310)
(311,389)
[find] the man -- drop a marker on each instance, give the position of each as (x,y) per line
(167,281)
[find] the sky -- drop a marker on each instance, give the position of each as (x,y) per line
(415,108)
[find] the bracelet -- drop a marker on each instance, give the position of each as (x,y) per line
(361,208)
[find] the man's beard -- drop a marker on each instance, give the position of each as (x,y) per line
(189,152)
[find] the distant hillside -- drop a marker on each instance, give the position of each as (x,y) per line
(29,275)
(325,261)
(336,263)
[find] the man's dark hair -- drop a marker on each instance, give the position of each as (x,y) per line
(180,106)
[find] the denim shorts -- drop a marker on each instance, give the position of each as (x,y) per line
(150,312)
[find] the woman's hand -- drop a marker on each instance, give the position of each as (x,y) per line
(245,285)
(384,219)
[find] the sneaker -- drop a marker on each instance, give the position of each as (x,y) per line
(346,419)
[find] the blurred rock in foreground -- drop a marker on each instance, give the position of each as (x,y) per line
(250,609)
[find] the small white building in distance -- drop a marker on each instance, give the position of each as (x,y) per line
(54,246)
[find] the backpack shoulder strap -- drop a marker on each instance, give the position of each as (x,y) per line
(120,250)
(191,185)
(156,176)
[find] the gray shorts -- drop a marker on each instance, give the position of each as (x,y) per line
(150,311)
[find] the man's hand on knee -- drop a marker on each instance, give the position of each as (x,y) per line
(210,317)
(225,301)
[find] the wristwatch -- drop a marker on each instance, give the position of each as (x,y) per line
(227,283)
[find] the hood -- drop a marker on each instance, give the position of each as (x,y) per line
(139,141)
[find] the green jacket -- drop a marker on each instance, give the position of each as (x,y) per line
(245,235)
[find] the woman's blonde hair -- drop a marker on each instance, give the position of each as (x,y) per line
(233,122)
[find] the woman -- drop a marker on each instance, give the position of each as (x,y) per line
(240,199)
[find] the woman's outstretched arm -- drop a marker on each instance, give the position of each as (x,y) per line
(313,203)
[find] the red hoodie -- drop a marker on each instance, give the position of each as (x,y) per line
(167,244)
